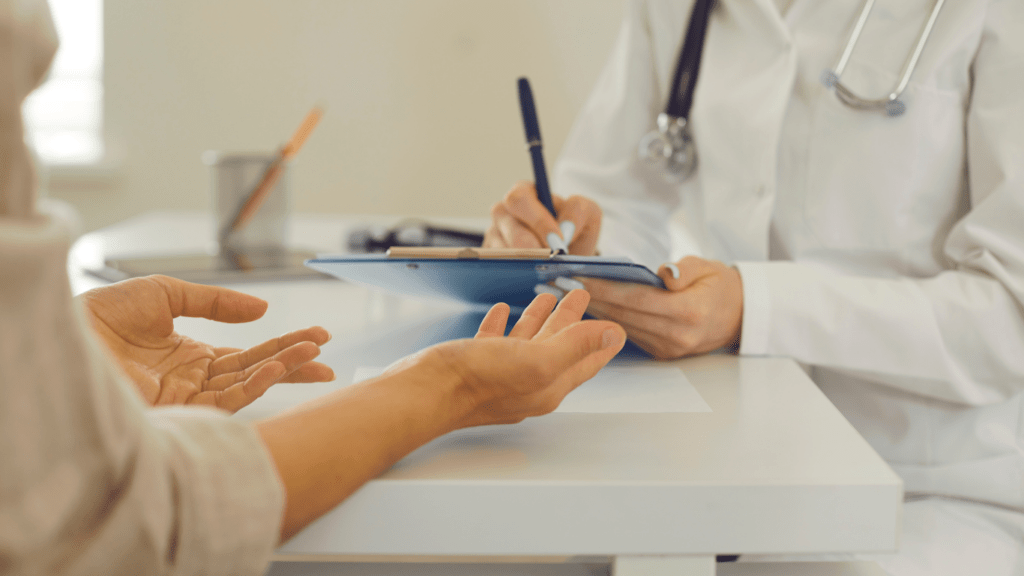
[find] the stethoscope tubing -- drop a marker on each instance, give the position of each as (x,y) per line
(684,78)
(671,145)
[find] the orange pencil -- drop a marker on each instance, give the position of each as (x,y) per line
(273,172)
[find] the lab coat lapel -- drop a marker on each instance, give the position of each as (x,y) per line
(747,74)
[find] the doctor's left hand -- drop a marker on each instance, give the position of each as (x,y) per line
(135,320)
(701,311)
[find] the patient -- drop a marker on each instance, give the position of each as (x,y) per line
(102,468)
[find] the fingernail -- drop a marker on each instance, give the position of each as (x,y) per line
(673,269)
(329,336)
(556,243)
(568,229)
(610,338)
(548,289)
(568,284)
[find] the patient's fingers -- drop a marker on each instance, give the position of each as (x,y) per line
(242,359)
(534,316)
(292,358)
(494,322)
(308,373)
(569,311)
(591,345)
(241,394)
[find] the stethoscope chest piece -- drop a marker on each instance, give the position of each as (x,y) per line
(671,147)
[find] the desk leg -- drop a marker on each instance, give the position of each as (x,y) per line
(663,566)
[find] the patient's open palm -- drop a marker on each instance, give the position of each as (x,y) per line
(135,319)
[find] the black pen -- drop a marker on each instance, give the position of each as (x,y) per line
(533,142)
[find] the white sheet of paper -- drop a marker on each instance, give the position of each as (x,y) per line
(624,388)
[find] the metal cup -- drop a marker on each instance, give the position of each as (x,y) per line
(234,177)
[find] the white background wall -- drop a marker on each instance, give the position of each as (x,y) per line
(421,115)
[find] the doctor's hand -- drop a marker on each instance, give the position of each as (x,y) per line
(701,311)
(135,320)
(521,221)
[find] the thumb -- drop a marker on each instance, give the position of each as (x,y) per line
(580,222)
(681,275)
(211,302)
(581,350)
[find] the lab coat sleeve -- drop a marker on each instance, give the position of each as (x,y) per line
(93,481)
(599,158)
(959,335)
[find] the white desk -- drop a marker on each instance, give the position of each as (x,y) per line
(774,468)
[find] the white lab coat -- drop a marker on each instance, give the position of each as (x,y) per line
(886,254)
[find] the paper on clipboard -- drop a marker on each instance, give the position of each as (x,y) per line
(476,275)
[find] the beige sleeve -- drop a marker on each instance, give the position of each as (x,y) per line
(27,45)
(93,481)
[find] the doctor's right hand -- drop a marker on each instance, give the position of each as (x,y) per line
(521,221)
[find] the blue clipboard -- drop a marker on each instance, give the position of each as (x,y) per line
(476,276)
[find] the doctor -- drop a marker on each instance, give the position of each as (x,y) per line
(883,248)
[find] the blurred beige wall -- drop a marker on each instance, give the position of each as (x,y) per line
(421,115)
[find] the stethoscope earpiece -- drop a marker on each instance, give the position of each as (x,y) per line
(894,108)
(829,79)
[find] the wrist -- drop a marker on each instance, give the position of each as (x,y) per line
(432,381)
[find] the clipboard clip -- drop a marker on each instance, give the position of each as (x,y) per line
(429,253)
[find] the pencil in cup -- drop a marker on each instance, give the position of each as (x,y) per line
(234,177)
(273,173)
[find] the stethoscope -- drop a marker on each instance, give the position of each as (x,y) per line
(671,145)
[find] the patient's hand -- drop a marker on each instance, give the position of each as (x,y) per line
(135,319)
(547,354)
